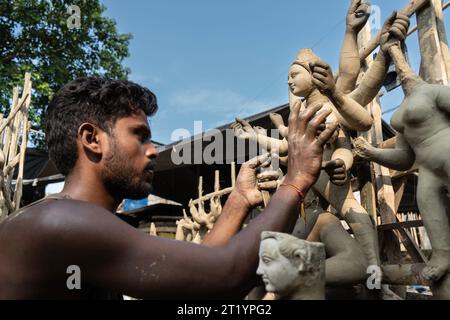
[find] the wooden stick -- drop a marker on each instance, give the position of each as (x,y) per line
(23,147)
(200,187)
(213,194)
(9,126)
(216,181)
(2,134)
(13,113)
(233,174)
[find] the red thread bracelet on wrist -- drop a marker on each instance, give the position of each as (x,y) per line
(300,193)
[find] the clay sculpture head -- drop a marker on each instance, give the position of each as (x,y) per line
(291,267)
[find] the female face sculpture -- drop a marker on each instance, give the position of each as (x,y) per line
(276,271)
(290,266)
(300,81)
(300,75)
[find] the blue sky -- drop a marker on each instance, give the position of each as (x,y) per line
(214,60)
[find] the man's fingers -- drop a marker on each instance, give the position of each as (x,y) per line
(266,163)
(327,133)
(306,116)
(293,116)
(319,65)
(321,128)
(268,185)
(321,85)
(268,175)
(257,161)
(318,119)
(319,76)
(321,70)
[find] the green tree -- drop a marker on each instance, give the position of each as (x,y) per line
(38,36)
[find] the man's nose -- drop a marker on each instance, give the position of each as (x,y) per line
(151,151)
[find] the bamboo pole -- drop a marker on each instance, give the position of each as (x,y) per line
(233,174)
(23,147)
(432,42)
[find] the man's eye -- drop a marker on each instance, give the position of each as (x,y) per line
(143,136)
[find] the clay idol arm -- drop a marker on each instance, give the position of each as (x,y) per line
(401,158)
(343,150)
(350,64)
(394,29)
(372,81)
(352,115)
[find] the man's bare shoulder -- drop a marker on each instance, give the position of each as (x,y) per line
(51,212)
(62,220)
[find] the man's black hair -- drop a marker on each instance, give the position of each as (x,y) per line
(96,100)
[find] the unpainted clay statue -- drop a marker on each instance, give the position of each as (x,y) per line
(292,268)
(199,228)
(346,263)
(187,229)
(202,222)
(423,125)
(313,80)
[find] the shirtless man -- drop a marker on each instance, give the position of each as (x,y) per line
(99,137)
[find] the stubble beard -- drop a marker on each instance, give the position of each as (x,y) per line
(122,180)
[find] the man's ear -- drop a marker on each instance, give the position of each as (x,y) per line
(89,136)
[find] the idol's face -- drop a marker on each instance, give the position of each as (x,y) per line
(300,81)
(277,272)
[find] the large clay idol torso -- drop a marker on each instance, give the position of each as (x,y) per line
(425,127)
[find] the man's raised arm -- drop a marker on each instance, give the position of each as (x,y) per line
(113,255)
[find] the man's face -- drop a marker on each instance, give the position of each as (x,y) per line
(276,271)
(128,165)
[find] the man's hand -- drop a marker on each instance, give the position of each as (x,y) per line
(251,180)
(337,171)
(305,145)
(322,77)
(357,15)
(394,30)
